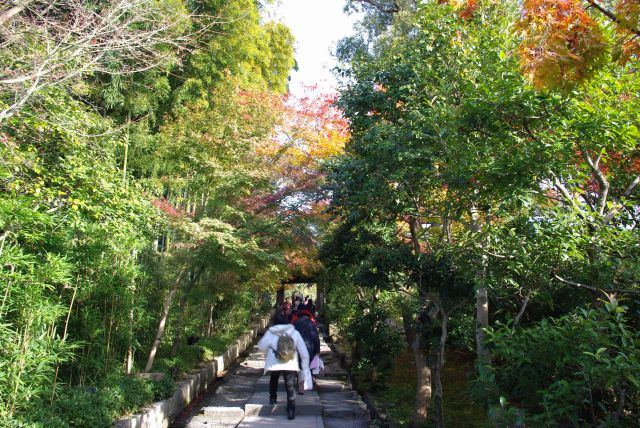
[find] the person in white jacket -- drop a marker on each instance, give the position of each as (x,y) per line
(288,369)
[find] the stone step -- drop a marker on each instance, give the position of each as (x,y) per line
(218,417)
(231,389)
(306,405)
(223,413)
(201,421)
(331,385)
(299,421)
(236,400)
(248,371)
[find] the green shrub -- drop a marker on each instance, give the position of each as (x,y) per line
(97,407)
(570,371)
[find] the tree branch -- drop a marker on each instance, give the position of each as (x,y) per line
(595,289)
(381,7)
(612,213)
(631,187)
(612,16)
(497,256)
(13,11)
(68,39)
(602,180)
(563,190)
(525,302)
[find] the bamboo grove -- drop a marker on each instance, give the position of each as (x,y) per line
(141,178)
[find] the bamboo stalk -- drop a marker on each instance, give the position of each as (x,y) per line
(64,338)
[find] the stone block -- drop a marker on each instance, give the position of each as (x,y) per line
(220,365)
(224,414)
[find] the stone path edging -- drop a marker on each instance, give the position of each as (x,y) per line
(159,414)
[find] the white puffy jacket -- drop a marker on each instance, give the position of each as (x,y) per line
(269,343)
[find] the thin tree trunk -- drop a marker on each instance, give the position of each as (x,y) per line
(280,297)
(424,387)
(178,334)
(129,363)
(130,349)
(168,301)
(523,308)
(482,303)
(64,338)
(210,322)
(126,150)
(438,415)
(109,331)
(482,322)
(3,238)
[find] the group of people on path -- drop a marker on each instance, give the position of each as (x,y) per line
(292,346)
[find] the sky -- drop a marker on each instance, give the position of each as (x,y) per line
(317,26)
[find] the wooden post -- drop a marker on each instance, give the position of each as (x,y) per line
(319,300)
(280,296)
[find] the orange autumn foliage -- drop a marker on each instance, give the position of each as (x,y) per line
(465,8)
(561,43)
(627,46)
(311,130)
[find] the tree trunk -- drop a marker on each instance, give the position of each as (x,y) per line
(482,303)
(126,150)
(178,334)
(129,363)
(423,382)
(168,301)
(320,300)
(438,415)
(482,322)
(210,322)
(423,372)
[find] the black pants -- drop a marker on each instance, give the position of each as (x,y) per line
(289,383)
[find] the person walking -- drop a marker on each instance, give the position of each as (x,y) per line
(302,311)
(286,307)
(311,307)
(284,347)
(306,326)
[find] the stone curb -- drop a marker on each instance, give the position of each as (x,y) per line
(159,415)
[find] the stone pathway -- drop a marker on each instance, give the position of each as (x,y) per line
(242,400)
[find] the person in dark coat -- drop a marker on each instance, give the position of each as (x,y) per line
(309,332)
(302,311)
(311,307)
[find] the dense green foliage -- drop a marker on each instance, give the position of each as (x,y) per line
(552,371)
(123,175)
(462,182)
(147,196)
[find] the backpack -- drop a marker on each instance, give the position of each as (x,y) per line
(286,350)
